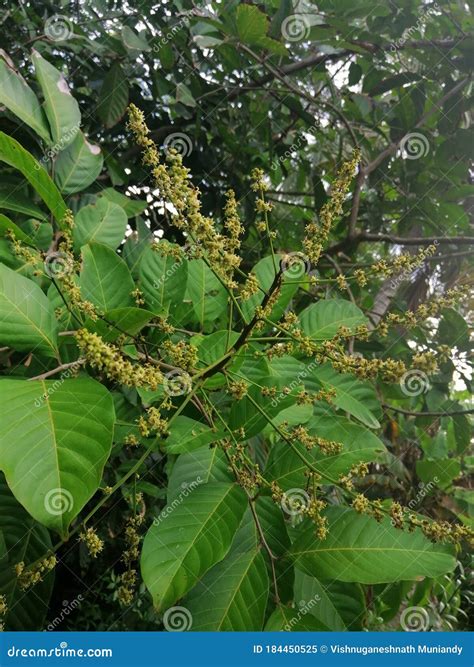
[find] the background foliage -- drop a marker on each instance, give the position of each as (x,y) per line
(232,86)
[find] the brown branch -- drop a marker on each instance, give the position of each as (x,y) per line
(58,369)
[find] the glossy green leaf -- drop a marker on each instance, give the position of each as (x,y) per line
(208,296)
(105,279)
(187,434)
(27,320)
(162,279)
(78,165)
(206,464)
(104,222)
(26,541)
(16,156)
(322,320)
(56,438)
(19,98)
(358,549)
(232,596)
(62,110)
(187,539)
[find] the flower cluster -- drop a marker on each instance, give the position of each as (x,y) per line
(92,541)
(28,577)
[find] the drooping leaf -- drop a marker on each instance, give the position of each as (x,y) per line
(232,596)
(25,541)
(105,279)
(19,98)
(358,549)
(187,539)
(27,320)
(78,165)
(104,222)
(56,438)
(62,110)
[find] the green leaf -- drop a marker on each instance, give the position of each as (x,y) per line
(439,472)
(26,541)
(187,434)
(265,273)
(203,465)
(339,605)
(15,155)
(135,43)
(78,165)
(162,279)
(359,445)
(289,619)
(62,110)
(15,201)
(8,225)
(351,394)
(208,296)
(358,549)
(252,24)
(232,596)
(121,320)
(188,538)
(132,207)
(27,320)
(322,320)
(18,97)
(105,279)
(113,96)
(55,441)
(103,221)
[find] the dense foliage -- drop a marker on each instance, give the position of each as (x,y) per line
(234,315)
